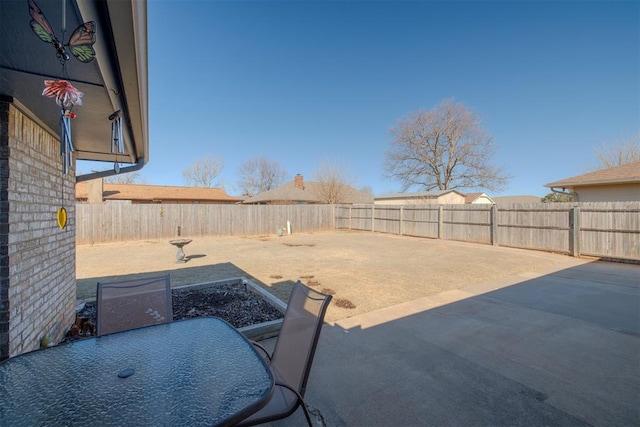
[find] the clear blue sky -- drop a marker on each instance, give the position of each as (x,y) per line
(306,81)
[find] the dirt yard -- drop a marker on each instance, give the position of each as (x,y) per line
(364,271)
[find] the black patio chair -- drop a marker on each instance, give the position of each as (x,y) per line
(131,304)
(293,354)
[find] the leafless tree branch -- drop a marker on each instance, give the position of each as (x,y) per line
(203,172)
(332,183)
(260,174)
(125,178)
(609,155)
(441,149)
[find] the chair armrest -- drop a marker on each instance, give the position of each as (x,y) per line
(261,348)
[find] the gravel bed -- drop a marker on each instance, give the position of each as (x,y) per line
(232,303)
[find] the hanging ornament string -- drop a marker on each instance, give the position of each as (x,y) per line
(64,18)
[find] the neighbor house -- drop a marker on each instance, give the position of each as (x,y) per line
(37,188)
(95,191)
(300,192)
(478,199)
(617,184)
(446,197)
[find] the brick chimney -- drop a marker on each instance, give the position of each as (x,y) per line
(95,191)
(298,182)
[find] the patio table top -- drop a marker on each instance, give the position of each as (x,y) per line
(193,372)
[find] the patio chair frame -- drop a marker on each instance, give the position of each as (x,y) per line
(157,312)
(312,322)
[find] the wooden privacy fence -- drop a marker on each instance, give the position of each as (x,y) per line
(112,222)
(610,230)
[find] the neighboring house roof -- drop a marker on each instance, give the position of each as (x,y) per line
(471,198)
(300,191)
(625,174)
(516,199)
(158,193)
(419,195)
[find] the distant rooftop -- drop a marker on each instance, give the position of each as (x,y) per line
(418,195)
(158,193)
(625,174)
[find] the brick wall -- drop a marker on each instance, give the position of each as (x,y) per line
(37,258)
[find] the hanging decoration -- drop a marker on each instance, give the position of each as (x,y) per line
(80,43)
(62,218)
(117,143)
(67,96)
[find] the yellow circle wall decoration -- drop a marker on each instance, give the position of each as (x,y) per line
(62,218)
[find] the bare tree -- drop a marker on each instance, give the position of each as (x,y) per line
(260,174)
(444,148)
(332,183)
(125,178)
(203,172)
(618,153)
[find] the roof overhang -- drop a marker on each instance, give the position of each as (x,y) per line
(115,80)
(594,183)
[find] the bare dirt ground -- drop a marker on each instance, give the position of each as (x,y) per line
(364,271)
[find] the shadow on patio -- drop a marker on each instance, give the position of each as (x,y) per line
(562,348)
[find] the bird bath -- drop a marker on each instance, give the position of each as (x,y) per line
(180,243)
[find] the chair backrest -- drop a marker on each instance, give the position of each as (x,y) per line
(133,303)
(296,345)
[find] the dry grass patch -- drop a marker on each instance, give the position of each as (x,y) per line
(344,303)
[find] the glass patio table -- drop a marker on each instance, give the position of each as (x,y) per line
(191,372)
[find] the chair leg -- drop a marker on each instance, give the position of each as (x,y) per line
(302,403)
(306,413)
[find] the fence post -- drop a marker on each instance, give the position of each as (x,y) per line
(333,216)
(494,225)
(574,231)
(373,217)
(350,217)
(440,221)
(400,225)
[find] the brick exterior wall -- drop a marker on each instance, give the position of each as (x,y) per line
(37,258)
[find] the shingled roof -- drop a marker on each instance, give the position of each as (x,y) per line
(625,174)
(300,191)
(158,193)
(417,195)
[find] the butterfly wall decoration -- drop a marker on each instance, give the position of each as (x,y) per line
(80,43)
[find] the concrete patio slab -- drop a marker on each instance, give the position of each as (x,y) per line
(555,347)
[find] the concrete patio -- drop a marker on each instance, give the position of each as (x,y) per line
(560,346)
